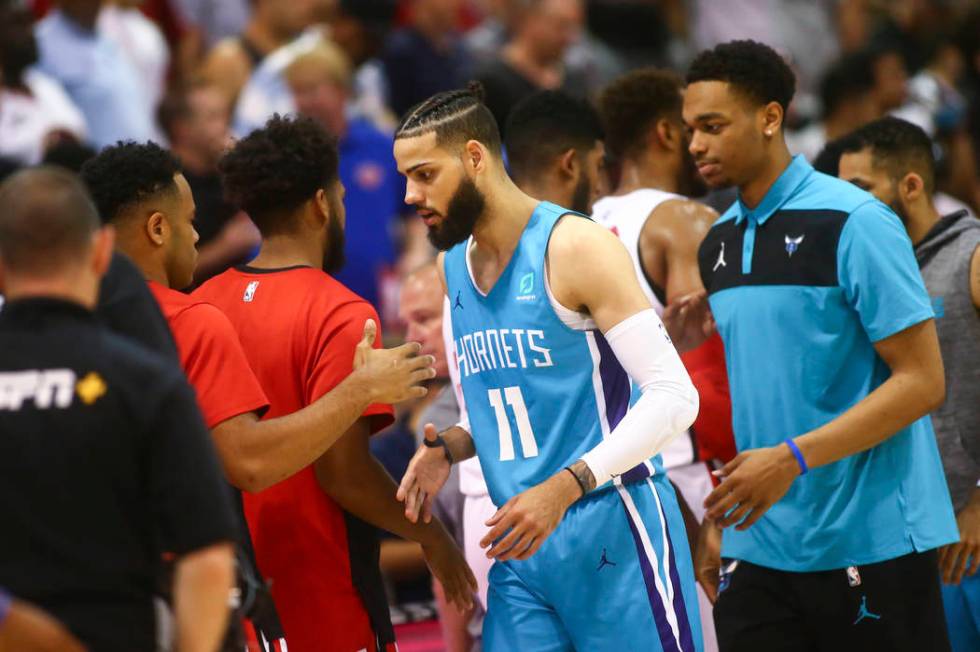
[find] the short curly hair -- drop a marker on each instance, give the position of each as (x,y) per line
(630,105)
(274,170)
(755,69)
(128,173)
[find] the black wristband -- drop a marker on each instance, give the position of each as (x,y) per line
(577,481)
(440,443)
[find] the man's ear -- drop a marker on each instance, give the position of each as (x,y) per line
(667,135)
(912,187)
(772,118)
(157,228)
(475,157)
(322,204)
(568,165)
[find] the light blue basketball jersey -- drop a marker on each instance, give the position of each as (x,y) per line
(538,393)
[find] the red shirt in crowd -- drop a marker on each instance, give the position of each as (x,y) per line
(299,328)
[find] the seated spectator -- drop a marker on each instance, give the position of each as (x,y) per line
(534,57)
(95,72)
(426,57)
(274,23)
(195,119)
(36,110)
(320,83)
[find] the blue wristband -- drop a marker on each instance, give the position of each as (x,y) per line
(798,455)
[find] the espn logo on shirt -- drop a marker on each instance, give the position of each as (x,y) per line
(250,291)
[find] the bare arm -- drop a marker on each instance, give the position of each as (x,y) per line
(202,585)
(350,475)
(28,629)
(975,278)
(756,479)
(257,454)
(669,245)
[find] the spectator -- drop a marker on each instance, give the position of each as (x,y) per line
(105,461)
(36,110)
(195,119)
(893,160)
(484,41)
(142,42)
(847,102)
(426,57)
(274,23)
(95,72)
(533,59)
(320,82)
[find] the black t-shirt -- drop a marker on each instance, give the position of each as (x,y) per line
(212,211)
(505,87)
(105,463)
(127,307)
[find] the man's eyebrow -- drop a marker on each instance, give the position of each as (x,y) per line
(416,167)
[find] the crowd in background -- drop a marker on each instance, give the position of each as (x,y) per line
(79,75)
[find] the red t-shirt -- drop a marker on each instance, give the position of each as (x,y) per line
(211,356)
(299,328)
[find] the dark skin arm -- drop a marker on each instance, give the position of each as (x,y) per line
(350,475)
(669,245)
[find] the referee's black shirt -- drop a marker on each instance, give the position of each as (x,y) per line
(103,454)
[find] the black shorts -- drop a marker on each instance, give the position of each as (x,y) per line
(890,606)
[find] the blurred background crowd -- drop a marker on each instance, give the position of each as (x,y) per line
(78,75)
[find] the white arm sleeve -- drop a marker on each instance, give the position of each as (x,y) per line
(667,407)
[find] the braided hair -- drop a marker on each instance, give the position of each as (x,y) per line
(455,117)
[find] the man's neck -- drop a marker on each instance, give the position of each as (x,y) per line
(651,173)
(776,163)
(503,221)
(921,221)
(149,268)
(195,162)
(546,189)
(289,250)
(64,289)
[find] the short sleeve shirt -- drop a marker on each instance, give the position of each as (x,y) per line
(299,328)
(211,356)
(801,288)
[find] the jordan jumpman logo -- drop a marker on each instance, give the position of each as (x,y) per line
(459,304)
(863,611)
(604,561)
(721,259)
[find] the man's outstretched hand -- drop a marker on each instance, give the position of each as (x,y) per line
(392,375)
(688,321)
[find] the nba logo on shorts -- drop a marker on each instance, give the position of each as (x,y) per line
(250,291)
(853,576)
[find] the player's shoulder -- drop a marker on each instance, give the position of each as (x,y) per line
(681,213)
(822,192)
(578,237)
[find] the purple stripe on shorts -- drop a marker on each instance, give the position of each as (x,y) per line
(636,474)
(667,641)
(615,382)
(680,608)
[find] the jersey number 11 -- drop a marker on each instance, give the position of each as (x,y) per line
(515,399)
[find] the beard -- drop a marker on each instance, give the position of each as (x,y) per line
(692,184)
(582,196)
(464,210)
(333,257)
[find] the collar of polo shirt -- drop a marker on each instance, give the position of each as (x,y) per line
(787,183)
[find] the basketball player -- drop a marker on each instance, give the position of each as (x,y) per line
(300,329)
(590,549)
(141,191)
(837,492)
(893,160)
(662,229)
